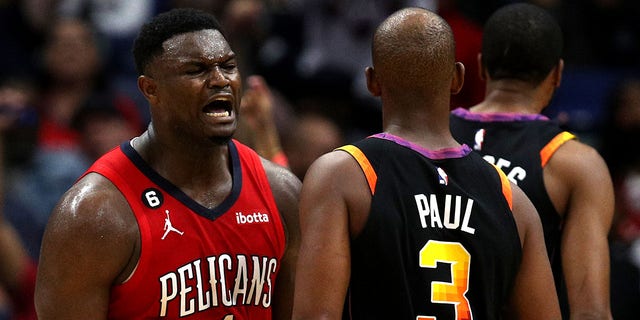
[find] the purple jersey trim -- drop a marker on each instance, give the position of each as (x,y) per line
(440,154)
(496,116)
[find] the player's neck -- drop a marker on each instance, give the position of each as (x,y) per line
(424,137)
(182,166)
(510,97)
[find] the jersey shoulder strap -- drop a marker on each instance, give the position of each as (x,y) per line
(365,165)
(553,145)
(506,187)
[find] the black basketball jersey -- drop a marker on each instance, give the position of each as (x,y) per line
(521,145)
(440,240)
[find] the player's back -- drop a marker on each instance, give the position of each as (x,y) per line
(521,145)
(440,238)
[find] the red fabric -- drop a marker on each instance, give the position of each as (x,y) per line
(627,227)
(23,307)
(215,262)
(55,135)
(52,134)
(281,159)
(130,112)
(468,35)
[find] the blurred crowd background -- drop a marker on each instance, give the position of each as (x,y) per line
(68,90)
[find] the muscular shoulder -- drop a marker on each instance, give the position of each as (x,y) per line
(337,170)
(336,183)
(286,190)
(92,204)
(575,155)
(284,184)
(88,245)
(575,167)
(92,220)
(576,163)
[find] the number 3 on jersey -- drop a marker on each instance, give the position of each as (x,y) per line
(448,292)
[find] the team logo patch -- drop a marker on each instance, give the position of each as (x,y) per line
(479,139)
(443,178)
(152,198)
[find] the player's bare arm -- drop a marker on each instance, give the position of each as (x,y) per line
(533,290)
(286,189)
(326,204)
(579,179)
(90,244)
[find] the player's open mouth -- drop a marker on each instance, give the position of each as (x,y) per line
(218,108)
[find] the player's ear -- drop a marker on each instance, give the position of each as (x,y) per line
(372,81)
(148,87)
(458,78)
(557,73)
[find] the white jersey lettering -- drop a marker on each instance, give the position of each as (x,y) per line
(451,219)
(514,174)
(232,281)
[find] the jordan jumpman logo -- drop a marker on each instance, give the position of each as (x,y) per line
(168,227)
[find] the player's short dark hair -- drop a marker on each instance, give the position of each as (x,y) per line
(154,33)
(521,41)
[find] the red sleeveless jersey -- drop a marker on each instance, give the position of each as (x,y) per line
(196,262)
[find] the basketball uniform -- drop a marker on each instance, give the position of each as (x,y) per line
(196,262)
(440,240)
(521,145)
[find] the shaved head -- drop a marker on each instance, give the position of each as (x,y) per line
(414,49)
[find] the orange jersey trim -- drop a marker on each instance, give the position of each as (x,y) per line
(365,165)
(506,187)
(553,145)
